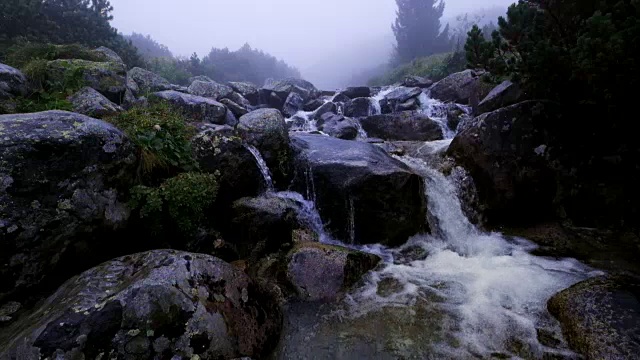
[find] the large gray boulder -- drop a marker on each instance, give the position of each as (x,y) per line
(146,82)
(237,109)
(267,130)
(356,92)
(505,94)
(403,94)
(195,108)
(463,88)
(362,194)
(406,125)
(413,81)
(292,104)
(600,317)
(108,78)
(339,126)
(328,107)
(62,180)
(12,83)
(507,154)
(210,89)
(275,93)
(247,90)
(109,55)
(359,107)
(151,305)
(88,101)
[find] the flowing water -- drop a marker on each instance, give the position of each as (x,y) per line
(457,293)
(262,165)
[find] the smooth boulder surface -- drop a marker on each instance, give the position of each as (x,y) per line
(321,272)
(248,90)
(359,183)
(600,317)
(88,101)
(267,130)
(195,108)
(152,305)
(505,94)
(463,88)
(209,89)
(406,125)
(146,81)
(12,83)
(108,78)
(507,154)
(62,180)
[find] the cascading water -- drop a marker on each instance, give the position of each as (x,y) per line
(262,165)
(437,110)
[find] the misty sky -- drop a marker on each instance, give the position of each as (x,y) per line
(302,32)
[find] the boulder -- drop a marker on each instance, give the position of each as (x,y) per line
(89,102)
(109,55)
(292,104)
(505,94)
(239,99)
(12,83)
(339,126)
(461,88)
(406,125)
(506,153)
(274,93)
(359,107)
(600,317)
(320,272)
(200,78)
(62,180)
(248,90)
(328,107)
(236,109)
(267,130)
(411,104)
(210,89)
(313,105)
(356,92)
(362,194)
(180,88)
(108,78)
(402,94)
(341,98)
(146,81)
(413,81)
(195,108)
(151,305)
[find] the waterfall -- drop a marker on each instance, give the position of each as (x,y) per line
(307,215)
(438,111)
(262,165)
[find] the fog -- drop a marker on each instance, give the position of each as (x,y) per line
(327,40)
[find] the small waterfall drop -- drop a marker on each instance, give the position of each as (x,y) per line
(262,165)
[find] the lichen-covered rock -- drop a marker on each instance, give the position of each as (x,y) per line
(600,317)
(267,130)
(151,305)
(505,94)
(248,90)
(292,104)
(210,89)
(362,194)
(239,99)
(235,108)
(108,78)
(359,107)
(406,125)
(62,176)
(147,82)
(461,87)
(109,55)
(195,108)
(323,272)
(89,102)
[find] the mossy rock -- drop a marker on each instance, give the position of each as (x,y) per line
(108,78)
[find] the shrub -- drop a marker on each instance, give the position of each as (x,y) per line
(20,55)
(181,202)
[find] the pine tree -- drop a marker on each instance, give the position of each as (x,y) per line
(417,29)
(478,50)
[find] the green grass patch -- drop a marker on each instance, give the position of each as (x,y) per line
(21,54)
(434,67)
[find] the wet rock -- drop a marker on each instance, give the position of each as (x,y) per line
(402,94)
(356,92)
(247,90)
(411,104)
(406,125)
(417,81)
(235,108)
(156,304)
(313,105)
(147,82)
(209,89)
(62,180)
(328,107)
(600,317)
(505,152)
(341,98)
(362,194)
(460,88)
(195,108)
(267,131)
(320,272)
(292,104)
(108,78)
(89,102)
(358,107)
(339,126)
(505,94)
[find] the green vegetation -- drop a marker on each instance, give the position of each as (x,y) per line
(181,202)
(21,54)
(434,67)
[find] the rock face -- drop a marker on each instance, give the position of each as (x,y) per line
(358,107)
(248,90)
(321,272)
(460,87)
(61,177)
(195,108)
(292,104)
(108,78)
(89,102)
(12,83)
(506,153)
(210,89)
(507,93)
(600,317)
(267,131)
(147,82)
(406,125)
(152,305)
(339,126)
(358,183)
(356,92)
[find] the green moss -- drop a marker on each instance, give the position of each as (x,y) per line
(21,54)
